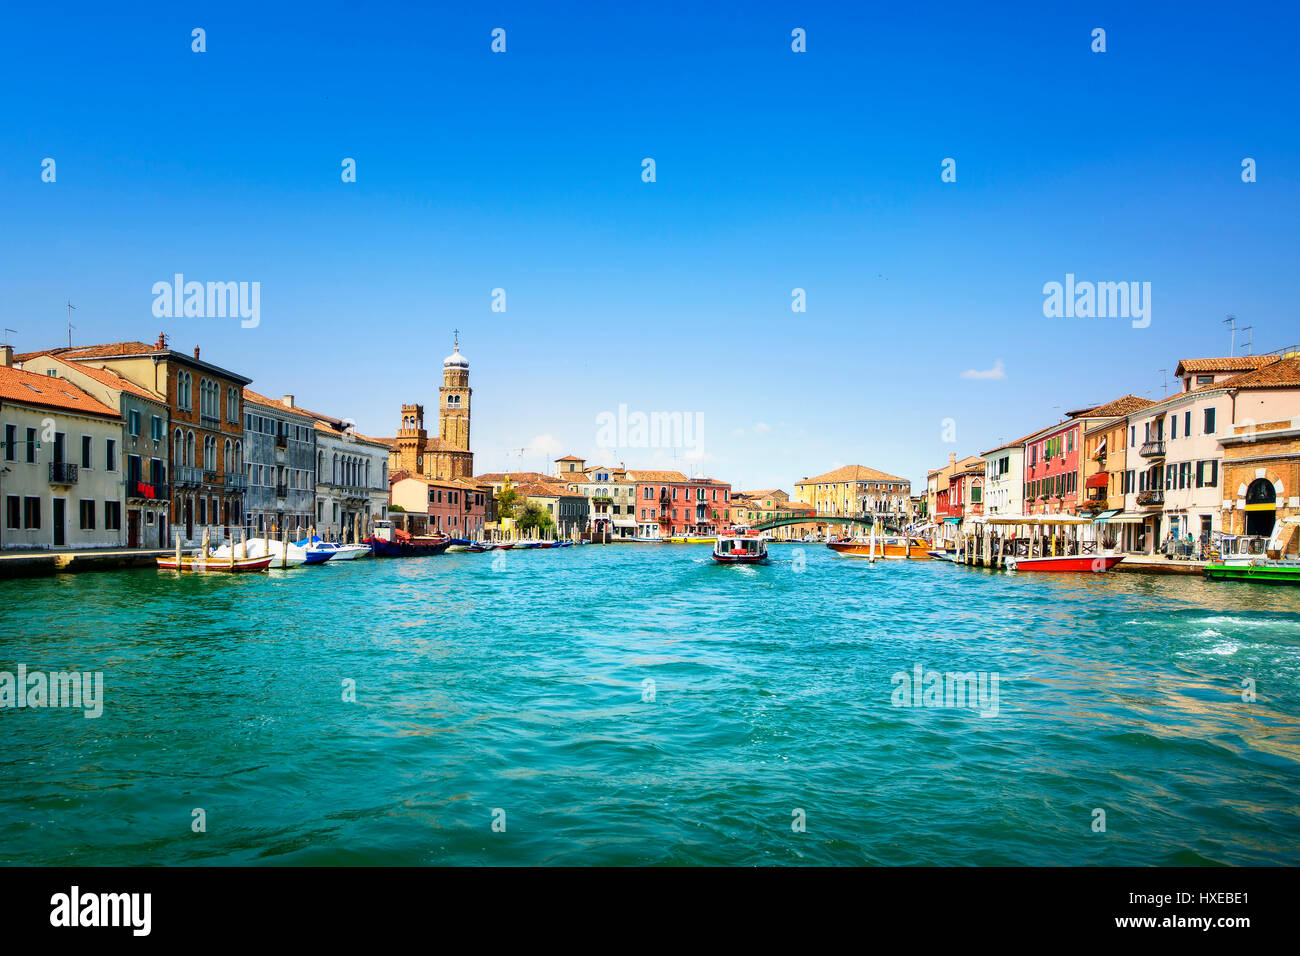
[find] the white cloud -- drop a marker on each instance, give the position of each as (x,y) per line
(762,428)
(998,371)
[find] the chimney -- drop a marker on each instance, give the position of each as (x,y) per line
(196,351)
(288,400)
(6,356)
(162,342)
(952,459)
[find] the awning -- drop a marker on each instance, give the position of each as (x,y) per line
(1101,518)
(1125,518)
(1101,449)
(1099,480)
(952,520)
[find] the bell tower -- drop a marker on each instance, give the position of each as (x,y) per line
(411,438)
(454,398)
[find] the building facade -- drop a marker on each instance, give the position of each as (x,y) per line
(856,491)
(455,507)
(145,426)
(352,486)
(61,478)
(1004,479)
(280,458)
(668,503)
(205,413)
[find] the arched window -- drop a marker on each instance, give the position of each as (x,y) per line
(189,448)
(239,456)
(178,450)
(228,457)
(334,471)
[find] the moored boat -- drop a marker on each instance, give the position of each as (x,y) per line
(740,546)
(208,564)
(1261,572)
(1093,563)
(282,555)
(390,542)
(887,546)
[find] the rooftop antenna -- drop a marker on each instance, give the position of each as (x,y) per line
(6,334)
(71,307)
(1250,343)
(1164,385)
(1231,322)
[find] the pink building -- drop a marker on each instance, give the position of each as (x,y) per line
(668,503)
(1054,482)
(454,506)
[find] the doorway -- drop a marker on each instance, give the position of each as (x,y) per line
(133,529)
(60,538)
(1261,507)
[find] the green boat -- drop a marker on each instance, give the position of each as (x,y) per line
(1245,558)
(1266,572)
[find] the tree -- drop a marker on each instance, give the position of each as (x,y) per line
(532,517)
(507,500)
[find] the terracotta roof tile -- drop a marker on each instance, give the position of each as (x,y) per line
(48,391)
(851,473)
(670,477)
(1280,374)
(1227,363)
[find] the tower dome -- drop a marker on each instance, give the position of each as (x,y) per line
(455,359)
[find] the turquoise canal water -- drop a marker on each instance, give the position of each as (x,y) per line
(517,684)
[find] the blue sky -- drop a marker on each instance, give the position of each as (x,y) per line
(775,170)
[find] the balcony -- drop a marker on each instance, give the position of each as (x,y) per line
(149,491)
(234,481)
(63,473)
(282,441)
(1154,497)
(187,476)
(1152,449)
(282,491)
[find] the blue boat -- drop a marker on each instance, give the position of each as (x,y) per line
(318,551)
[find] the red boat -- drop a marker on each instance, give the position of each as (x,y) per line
(1094,564)
(740,546)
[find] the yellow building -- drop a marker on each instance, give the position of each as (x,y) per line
(856,491)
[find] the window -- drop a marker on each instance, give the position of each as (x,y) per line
(1209,422)
(1187,424)
(112,516)
(232,404)
(110,454)
(1132,435)
(133,421)
(1204,379)
(11,443)
(1212,477)
(1173,433)
(13,512)
(155,427)
(87,515)
(31,512)
(31,447)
